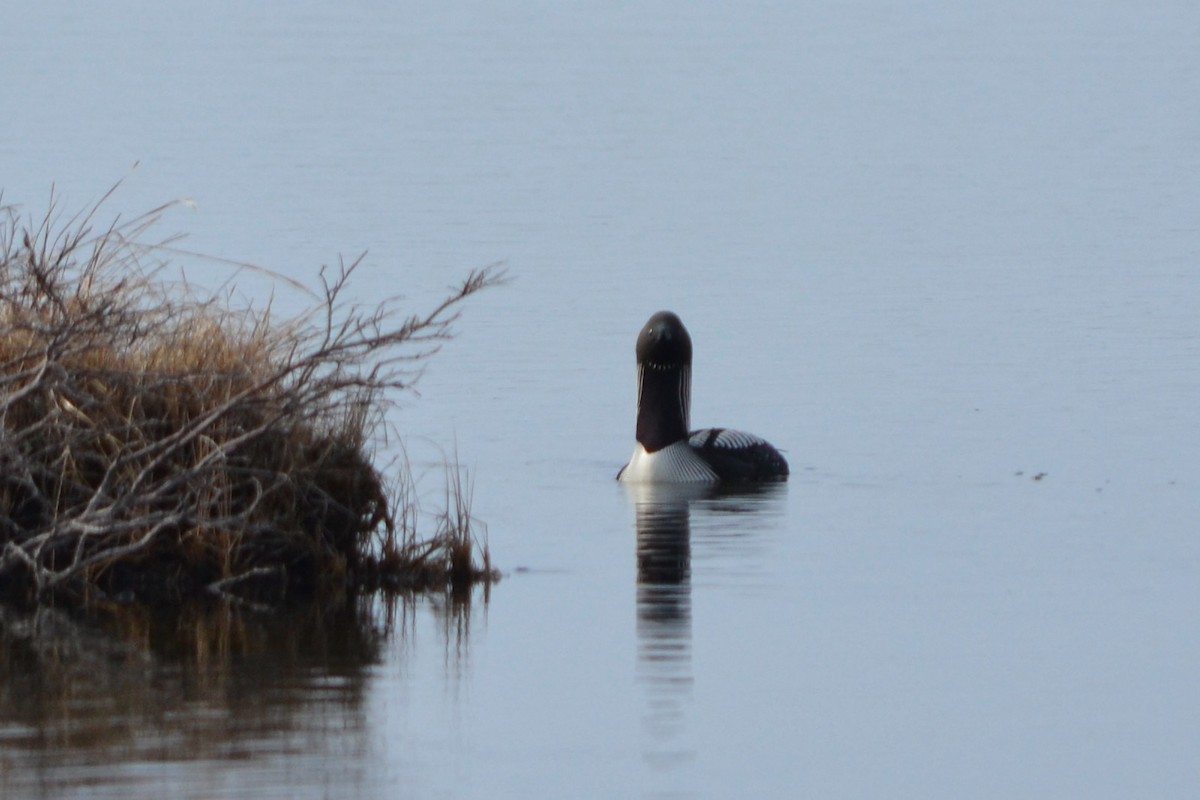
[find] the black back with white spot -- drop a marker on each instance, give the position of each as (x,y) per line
(737,456)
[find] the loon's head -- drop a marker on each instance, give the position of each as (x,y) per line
(664,360)
(664,343)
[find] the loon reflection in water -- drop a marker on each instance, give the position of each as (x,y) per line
(725,513)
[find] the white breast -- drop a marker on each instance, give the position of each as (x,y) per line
(676,463)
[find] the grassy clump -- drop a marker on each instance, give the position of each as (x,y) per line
(157,443)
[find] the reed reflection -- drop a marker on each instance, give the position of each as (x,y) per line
(281,696)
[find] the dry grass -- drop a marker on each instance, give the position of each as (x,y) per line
(156,443)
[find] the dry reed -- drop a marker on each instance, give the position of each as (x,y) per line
(157,444)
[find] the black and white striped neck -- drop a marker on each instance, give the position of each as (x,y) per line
(664,364)
(666,452)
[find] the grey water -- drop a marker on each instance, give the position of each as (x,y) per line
(946,256)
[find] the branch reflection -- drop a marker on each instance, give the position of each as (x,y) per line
(91,701)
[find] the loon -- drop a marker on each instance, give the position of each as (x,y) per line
(666,452)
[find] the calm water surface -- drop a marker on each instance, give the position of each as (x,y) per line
(947,258)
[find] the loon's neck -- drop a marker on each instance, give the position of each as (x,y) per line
(664,404)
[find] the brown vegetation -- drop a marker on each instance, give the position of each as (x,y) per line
(157,444)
